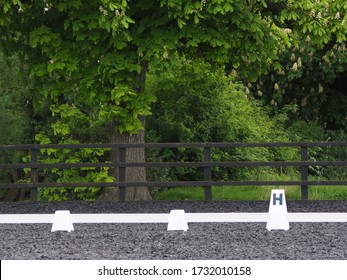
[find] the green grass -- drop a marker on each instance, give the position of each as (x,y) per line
(252,193)
(328,193)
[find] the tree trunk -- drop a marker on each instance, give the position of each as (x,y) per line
(133,174)
(16,194)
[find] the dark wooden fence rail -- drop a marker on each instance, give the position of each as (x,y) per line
(207,166)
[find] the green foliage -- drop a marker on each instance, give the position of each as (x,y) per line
(311,131)
(199,104)
(310,84)
(14,125)
(323,20)
(196,103)
(14,111)
(69,125)
(77,56)
(96,55)
(71,175)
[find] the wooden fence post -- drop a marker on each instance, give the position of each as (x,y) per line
(208,174)
(304,172)
(34,152)
(122,172)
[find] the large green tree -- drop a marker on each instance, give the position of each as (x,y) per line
(93,56)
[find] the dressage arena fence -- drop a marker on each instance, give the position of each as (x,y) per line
(276,219)
(207,164)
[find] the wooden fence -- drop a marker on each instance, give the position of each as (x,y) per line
(207,164)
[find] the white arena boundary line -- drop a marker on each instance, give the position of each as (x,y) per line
(26,218)
(317,217)
(135,218)
(231,217)
(120,218)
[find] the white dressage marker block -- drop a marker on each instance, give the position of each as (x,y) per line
(62,221)
(177,220)
(278,211)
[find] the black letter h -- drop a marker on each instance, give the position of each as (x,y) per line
(275,198)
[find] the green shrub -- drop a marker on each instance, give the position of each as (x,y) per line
(196,103)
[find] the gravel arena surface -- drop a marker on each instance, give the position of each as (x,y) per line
(217,241)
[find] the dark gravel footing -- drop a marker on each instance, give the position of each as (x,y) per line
(152,241)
